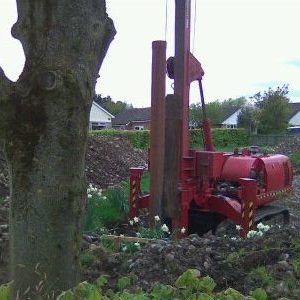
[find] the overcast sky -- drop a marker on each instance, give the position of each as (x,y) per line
(245,46)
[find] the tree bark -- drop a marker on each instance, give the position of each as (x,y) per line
(44,134)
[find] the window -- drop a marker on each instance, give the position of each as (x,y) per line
(138,127)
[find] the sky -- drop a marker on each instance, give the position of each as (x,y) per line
(244,46)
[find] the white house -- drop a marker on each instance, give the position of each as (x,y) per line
(99,117)
(294,118)
(231,119)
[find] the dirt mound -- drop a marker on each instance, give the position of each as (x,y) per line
(270,261)
(290,146)
(108,161)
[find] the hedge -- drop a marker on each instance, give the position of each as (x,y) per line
(222,137)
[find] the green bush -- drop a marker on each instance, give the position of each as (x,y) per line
(188,286)
(222,137)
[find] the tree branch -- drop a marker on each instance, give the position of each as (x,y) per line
(5,88)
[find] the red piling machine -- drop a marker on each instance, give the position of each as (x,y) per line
(198,189)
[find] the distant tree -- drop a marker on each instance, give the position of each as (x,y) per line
(247,118)
(215,110)
(113,107)
(233,103)
(195,115)
(273,110)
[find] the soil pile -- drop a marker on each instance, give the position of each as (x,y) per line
(290,146)
(108,161)
(271,261)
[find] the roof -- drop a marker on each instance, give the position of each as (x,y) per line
(294,108)
(229,111)
(131,115)
(100,107)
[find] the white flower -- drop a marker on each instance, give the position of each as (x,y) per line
(136,219)
(182,230)
(156,218)
(138,234)
(89,196)
(251,233)
(137,244)
(131,222)
(238,227)
(124,248)
(104,197)
(165,228)
(234,238)
(260,225)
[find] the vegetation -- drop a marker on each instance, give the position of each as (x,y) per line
(272,110)
(295,158)
(247,118)
(188,286)
(109,207)
(222,137)
(111,106)
(215,110)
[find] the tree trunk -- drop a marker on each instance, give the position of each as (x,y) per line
(43,130)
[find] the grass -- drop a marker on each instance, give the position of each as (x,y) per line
(295,158)
(266,279)
(112,206)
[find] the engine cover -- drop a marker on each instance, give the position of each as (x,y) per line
(273,171)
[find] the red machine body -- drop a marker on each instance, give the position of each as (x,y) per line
(204,186)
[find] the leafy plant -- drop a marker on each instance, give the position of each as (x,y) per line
(188,286)
(5,292)
(259,294)
(264,276)
(109,207)
(296,267)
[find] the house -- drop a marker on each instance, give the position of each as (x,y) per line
(133,119)
(294,116)
(230,117)
(99,117)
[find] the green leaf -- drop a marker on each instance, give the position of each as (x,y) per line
(84,289)
(204,296)
(68,295)
(188,279)
(163,292)
(232,294)
(127,296)
(206,284)
(5,292)
(94,294)
(101,281)
(124,282)
(259,294)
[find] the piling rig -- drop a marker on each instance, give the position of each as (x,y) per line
(198,189)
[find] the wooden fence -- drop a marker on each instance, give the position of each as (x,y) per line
(270,140)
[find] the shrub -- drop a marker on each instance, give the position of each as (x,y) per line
(222,137)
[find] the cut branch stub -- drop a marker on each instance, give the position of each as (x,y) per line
(49,80)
